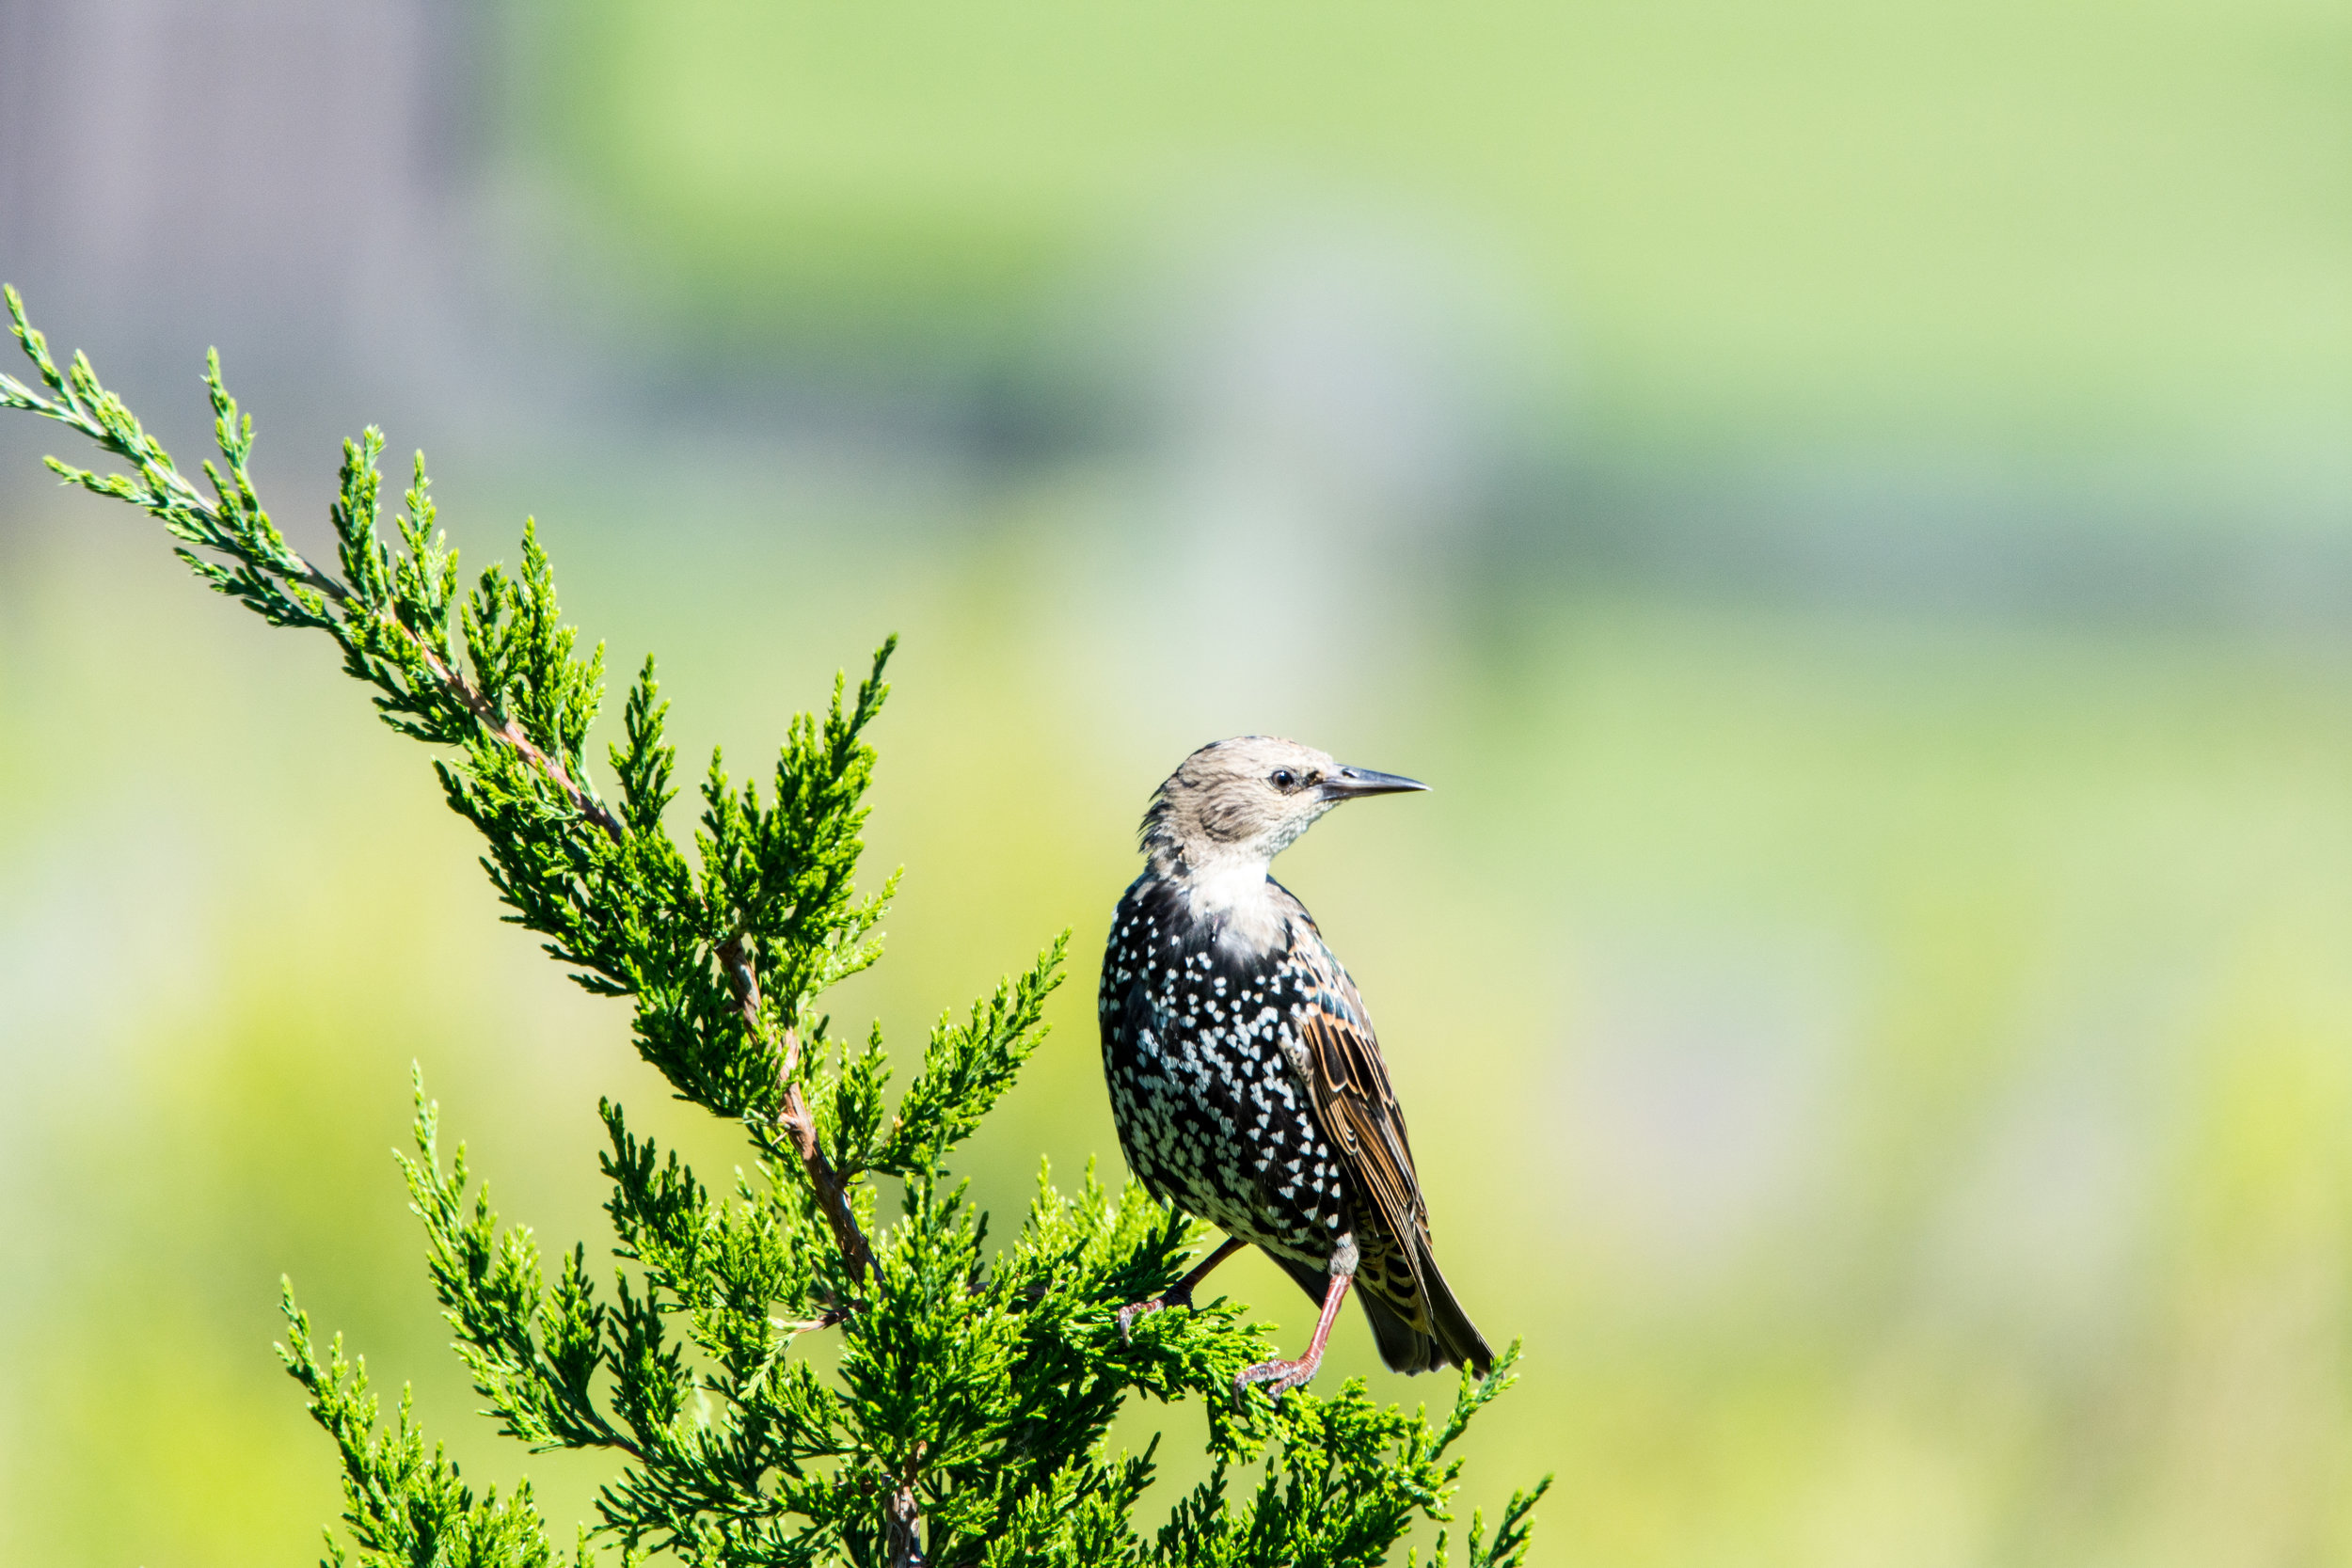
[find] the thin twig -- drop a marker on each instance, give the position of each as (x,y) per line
(486,713)
(833,1194)
(169,487)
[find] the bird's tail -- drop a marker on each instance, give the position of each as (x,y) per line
(1451,1341)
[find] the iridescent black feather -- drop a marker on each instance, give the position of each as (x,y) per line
(1248,1089)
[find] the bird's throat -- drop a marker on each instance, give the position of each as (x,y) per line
(1236,897)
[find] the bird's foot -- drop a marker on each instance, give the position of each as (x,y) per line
(1278,1377)
(1134,1309)
(1178,1294)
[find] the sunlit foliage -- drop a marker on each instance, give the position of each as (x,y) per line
(966,1418)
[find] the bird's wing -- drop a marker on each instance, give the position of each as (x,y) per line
(1349,1087)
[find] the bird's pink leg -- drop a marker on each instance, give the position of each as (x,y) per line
(1180,1293)
(1281,1377)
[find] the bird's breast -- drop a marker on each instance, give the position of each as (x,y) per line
(1199,1047)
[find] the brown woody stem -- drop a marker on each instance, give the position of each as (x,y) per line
(799,1122)
(905,1536)
(906,1530)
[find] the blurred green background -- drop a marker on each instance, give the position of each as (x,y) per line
(1847,504)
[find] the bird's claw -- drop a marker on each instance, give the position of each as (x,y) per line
(1129,1313)
(1134,1309)
(1278,1377)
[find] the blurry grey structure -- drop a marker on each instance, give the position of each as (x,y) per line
(322,188)
(1322,412)
(278,177)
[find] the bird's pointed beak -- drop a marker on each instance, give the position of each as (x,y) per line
(1348,782)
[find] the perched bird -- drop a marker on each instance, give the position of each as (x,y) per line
(1243,1075)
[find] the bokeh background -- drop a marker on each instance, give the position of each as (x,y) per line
(1848,505)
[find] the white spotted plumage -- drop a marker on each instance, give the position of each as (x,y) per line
(1238,1053)
(1204,1108)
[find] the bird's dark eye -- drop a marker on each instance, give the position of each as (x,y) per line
(1284,778)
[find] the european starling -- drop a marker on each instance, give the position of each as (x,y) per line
(1243,1075)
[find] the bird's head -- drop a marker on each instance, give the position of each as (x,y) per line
(1241,803)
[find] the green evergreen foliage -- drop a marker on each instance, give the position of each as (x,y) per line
(966,1419)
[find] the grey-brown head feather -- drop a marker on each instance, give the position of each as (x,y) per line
(1243,800)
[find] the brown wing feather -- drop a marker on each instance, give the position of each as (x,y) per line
(1419,1322)
(1348,1085)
